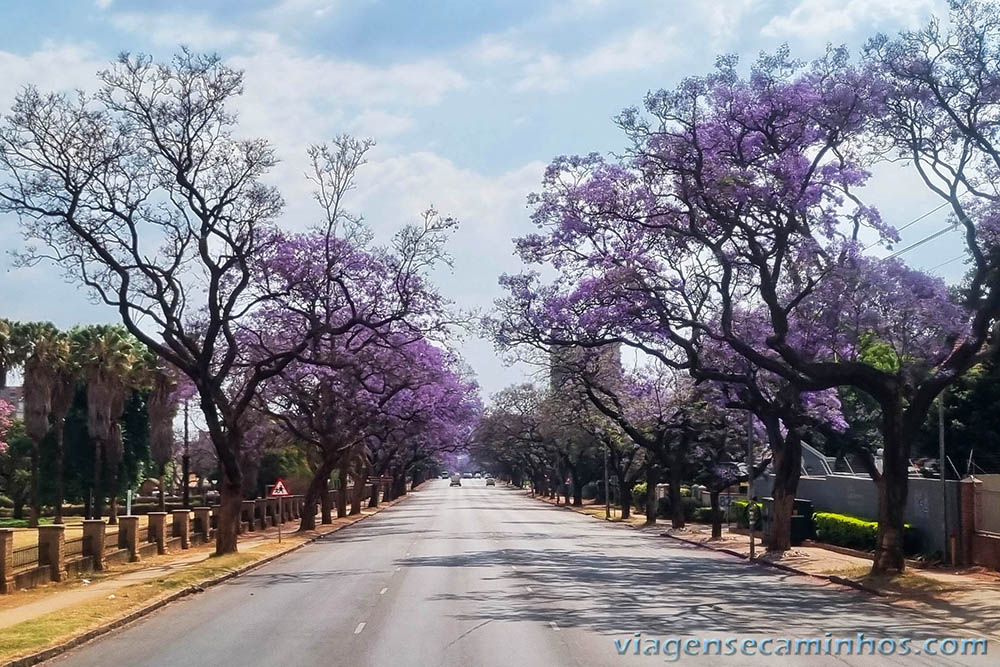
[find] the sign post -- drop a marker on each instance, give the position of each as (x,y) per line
(279,491)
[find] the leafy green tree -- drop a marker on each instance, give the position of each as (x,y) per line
(15,467)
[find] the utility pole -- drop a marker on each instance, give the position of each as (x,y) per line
(751,515)
(186,462)
(944,478)
(607,497)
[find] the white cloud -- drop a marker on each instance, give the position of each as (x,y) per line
(103,4)
(53,67)
(194,30)
(831,19)
(639,49)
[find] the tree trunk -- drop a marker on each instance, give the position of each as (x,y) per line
(652,477)
(342,491)
(98,506)
(18,509)
(716,515)
(60,473)
(325,506)
(787,460)
(674,490)
(399,485)
(373,500)
(36,498)
(360,478)
(317,486)
(230,504)
(626,498)
(577,490)
(892,490)
(163,499)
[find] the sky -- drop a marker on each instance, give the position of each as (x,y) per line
(467,101)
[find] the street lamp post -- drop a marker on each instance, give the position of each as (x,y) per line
(944,479)
(750,512)
(607,498)
(186,463)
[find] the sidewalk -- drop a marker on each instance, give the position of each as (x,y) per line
(970,595)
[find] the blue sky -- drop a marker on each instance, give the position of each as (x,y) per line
(467,100)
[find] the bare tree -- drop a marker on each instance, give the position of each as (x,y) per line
(143,194)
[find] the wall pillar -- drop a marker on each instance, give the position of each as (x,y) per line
(93,541)
(6,560)
(250,513)
(203,521)
(968,490)
(128,536)
(158,530)
(50,550)
(181,527)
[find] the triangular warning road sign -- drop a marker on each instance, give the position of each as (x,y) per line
(279,490)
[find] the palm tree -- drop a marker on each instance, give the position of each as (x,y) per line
(107,356)
(63,393)
(161,406)
(13,348)
(48,352)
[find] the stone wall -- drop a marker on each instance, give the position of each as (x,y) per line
(858,496)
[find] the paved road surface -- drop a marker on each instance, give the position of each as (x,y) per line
(485,576)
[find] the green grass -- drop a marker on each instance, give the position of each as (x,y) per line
(23,523)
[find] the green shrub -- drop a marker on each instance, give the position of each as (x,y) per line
(685,492)
(704,515)
(855,533)
(639,496)
(738,513)
(663,508)
(5,501)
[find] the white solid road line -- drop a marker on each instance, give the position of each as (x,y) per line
(529,589)
(361,626)
(382,592)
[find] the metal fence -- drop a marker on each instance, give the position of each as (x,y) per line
(988,511)
(25,557)
(111,542)
(74,547)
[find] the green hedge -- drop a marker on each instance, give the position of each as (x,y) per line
(639,496)
(738,513)
(690,506)
(704,515)
(856,533)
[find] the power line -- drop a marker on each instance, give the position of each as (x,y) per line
(913,222)
(947,262)
(922,241)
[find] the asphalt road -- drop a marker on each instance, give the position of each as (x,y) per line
(486,576)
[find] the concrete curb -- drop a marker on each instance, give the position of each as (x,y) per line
(831,578)
(53,651)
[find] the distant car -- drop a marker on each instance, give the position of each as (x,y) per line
(466,475)
(488,475)
(490,481)
(445,475)
(478,476)
(456,480)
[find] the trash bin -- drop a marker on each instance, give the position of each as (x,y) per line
(802,524)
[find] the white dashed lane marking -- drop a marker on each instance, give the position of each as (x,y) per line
(361,626)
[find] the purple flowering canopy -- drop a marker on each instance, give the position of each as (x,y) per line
(727,241)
